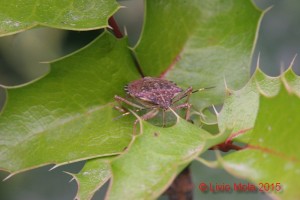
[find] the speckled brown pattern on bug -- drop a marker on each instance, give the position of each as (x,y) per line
(154,94)
(153,91)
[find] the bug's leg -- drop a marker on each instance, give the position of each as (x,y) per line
(186,93)
(124,114)
(119,107)
(123,110)
(184,105)
(164,117)
(147,116)
(188,110)
(120,100)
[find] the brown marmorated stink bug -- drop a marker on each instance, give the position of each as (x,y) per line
(155,94)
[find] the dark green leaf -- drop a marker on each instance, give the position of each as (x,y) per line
(19,15)
(68,115)
(213,41)
(94,174)
(156,157)
(272,154)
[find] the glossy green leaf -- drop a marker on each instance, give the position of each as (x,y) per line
(211,41)
(94,174)
(262,95)
(19,15)
(292,81)
(155,158)
(67,115)
(272,154)
(241,106)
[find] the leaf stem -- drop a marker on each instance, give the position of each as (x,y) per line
(113,24)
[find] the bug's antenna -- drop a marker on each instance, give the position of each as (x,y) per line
(185,95)
(201,89)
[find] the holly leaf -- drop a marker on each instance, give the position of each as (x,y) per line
(67,115)
(71,118)
(155,158)
(273,142)
(93,176)
(19,15)
(240,107)
(208,40)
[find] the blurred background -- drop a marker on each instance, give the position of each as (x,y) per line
(20,62)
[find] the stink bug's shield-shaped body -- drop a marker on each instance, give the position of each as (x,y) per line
(153,92)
